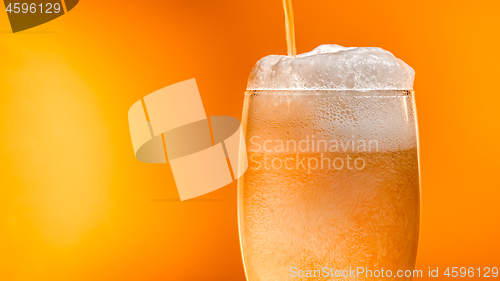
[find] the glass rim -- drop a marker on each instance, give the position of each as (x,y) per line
(334,92)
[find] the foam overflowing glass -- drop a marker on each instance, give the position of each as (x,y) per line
(333,176)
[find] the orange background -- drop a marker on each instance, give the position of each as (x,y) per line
(76,205)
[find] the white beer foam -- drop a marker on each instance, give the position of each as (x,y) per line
(333,67)
(386,121)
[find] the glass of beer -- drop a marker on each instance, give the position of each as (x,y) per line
(332,186)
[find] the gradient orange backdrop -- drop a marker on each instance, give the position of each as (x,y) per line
(75,204)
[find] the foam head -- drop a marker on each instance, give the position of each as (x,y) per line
(333,67)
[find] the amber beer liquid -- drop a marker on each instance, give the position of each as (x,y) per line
(348,197)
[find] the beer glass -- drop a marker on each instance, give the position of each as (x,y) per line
(332,186)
